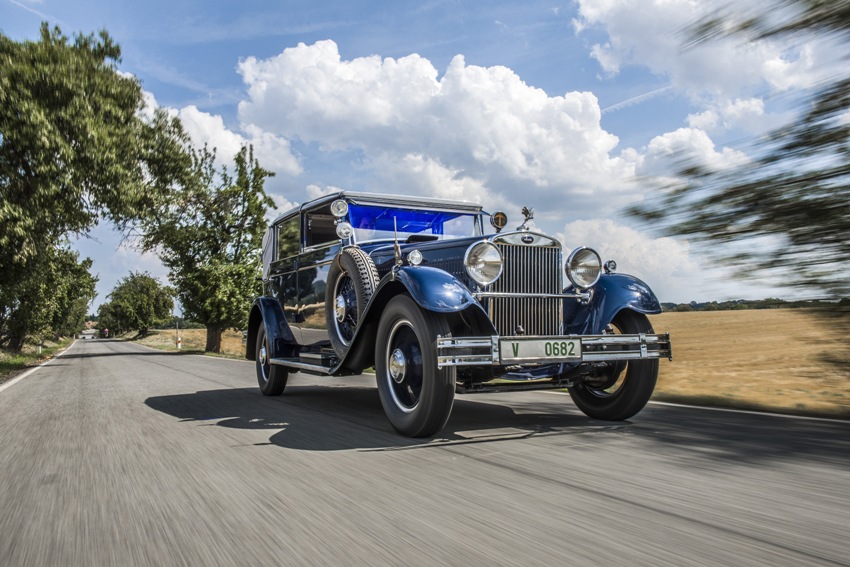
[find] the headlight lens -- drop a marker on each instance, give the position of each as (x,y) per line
(483,262)
(344,230)
(583,267)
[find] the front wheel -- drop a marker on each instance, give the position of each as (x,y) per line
(626,386)
(416,395)
(271,378)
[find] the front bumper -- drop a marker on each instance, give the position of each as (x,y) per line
(537,350)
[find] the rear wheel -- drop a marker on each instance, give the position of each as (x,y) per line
(416,395)
(271,378)
(626,386)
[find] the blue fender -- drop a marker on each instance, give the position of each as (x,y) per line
(613,293)
(433,289)
(266,311)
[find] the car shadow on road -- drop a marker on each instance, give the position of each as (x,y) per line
(322,418)
(335,418)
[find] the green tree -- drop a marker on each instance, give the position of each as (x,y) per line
(787,213)
(208,233)
(139,302)
(50,298)
(76,145)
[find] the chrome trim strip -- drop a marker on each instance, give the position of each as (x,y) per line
(454,351)
(505,294)
(300,365)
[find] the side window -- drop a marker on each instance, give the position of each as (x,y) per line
(288,238)
(320,228)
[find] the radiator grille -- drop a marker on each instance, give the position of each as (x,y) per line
(528,269)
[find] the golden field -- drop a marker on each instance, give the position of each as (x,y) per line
(786,360)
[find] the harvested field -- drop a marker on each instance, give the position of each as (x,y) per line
(787,360)
(784,360)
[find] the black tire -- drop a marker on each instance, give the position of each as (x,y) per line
(352,280)
(627,386)
(416,395)
(271,378)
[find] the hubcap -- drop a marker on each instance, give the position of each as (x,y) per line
(398,365)
(404,372)
(339,308)
(264,363)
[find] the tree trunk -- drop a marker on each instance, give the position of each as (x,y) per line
(16,342)
(213,339)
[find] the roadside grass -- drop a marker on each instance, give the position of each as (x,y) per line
(779,360)
(12,364)
(193,342)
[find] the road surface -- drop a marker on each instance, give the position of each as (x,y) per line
(115,454)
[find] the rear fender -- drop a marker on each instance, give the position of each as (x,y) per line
(613,293)
(266,311)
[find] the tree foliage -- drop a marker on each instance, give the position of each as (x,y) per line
(786,214)
(76,145)
(208,233)
(137,303)
(51,298)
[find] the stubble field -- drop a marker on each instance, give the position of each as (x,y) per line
(785,360)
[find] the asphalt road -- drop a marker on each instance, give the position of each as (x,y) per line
(115,454)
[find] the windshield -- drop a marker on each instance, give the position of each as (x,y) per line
(376,223)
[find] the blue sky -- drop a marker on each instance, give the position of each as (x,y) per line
(556,105)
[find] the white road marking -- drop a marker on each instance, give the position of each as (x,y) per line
(20,377)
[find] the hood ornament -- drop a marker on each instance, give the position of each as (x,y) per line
(528,214)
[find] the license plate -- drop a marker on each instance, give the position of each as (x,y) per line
(538,350)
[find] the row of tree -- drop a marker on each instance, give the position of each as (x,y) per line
(77,146)
(769,303)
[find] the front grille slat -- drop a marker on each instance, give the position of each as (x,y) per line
(528,269)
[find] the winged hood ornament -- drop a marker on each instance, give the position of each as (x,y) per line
(528,214)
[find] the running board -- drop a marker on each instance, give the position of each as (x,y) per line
(297,364)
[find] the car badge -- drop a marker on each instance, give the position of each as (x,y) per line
(527,239)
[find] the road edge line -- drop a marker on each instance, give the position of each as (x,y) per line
(16,379)
(730,410)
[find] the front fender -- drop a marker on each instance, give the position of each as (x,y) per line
(433,289)
(613,293)
(266,311)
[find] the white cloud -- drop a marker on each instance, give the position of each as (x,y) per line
(473,128)
(663,263)
(273,152)
(315,191)
(686,143)
(727,77)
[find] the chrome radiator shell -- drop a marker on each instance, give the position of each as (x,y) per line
(532,271)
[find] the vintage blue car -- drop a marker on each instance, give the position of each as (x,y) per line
(415,288)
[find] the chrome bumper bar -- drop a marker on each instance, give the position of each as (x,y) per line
(478,351)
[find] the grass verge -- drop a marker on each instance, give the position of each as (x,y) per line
(12,364)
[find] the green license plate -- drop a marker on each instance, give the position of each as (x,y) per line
(538,350)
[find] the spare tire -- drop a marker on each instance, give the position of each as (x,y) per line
(352,280)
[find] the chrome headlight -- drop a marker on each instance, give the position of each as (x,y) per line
(583,267)
(344,230)
(483,262)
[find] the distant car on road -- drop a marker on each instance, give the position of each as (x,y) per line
(415,288)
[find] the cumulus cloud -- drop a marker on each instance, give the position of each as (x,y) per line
(728,78)
(663,263)
(273,152)
(652,34)
(691,143)
(475,130)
